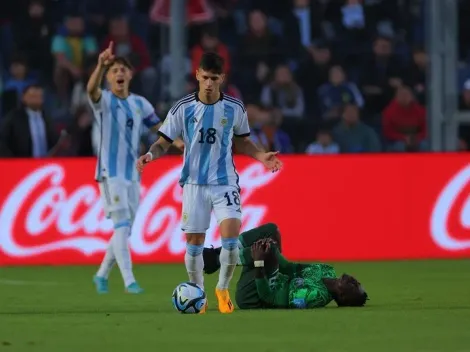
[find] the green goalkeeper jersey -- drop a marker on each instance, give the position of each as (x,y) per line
(296,286)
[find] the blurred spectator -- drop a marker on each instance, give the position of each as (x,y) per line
(462,145)
(284,93)
(230,89)
(80,133)
(464,103)
(71,46)
(32,33)
(210,43)
(18,78)
(301,26)
(382,72)
(268,135)
(129,45)
(313,72)
(404,123)
(79,95)
(99,11)
(324,144)
(26,131)
(353,136)
(353,22)
(417,73)
(259,50)
(336,93)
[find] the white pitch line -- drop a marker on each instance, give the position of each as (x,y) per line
(7,282)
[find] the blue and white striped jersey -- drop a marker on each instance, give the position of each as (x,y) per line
(120,122)
(207,132)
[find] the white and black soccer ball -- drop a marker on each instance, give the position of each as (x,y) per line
(189,298)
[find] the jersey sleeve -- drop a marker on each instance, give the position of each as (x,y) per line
(98,106)
(150,118)
(241,127)
(172,127)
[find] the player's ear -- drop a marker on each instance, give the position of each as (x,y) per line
(198,74)
(222,78)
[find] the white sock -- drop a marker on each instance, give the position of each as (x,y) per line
(195,263)
(122,253)
(107,263)
(228,262)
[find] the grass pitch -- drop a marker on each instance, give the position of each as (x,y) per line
(414,306)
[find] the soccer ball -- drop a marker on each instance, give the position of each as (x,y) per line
(188,298)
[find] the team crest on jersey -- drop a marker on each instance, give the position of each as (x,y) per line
(116,199)
(223,122)
(185,217)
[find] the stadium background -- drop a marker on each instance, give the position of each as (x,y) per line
(380,86)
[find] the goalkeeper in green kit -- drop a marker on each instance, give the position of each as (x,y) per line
(268,280)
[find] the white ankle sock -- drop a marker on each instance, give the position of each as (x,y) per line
(121,251)
(228,262)
(195,263)
(108,262)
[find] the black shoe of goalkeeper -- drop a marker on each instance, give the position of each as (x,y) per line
(211,259)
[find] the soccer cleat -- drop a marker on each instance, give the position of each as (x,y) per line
(101,284)
(204,309)
(211,259)
(225,303)
(134,288)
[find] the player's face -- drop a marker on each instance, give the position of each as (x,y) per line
(119,77)
(348,286)
(33,98)
(209,83)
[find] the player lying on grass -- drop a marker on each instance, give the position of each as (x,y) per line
(268,280)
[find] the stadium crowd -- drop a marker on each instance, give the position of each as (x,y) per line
(316,76)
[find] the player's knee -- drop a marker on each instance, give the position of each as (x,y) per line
(195,239)
(229,244)
(120,219)
(194,250)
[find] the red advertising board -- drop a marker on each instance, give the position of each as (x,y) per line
(328,208)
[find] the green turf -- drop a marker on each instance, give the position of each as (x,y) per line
(414,306)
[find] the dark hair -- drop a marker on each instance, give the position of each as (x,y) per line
(210,30)
(19,59)
(32,86)
(352,295)
(123,61)
(211,62)
(324,130)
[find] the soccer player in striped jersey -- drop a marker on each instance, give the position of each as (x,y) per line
(120,115)
(208,120)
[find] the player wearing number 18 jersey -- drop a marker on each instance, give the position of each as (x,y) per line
(208,121)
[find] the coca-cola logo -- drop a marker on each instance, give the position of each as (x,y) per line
(51,216)
(450,219)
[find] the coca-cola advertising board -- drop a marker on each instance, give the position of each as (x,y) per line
(375,207)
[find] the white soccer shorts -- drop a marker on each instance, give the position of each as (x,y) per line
(200,200)
(122,196)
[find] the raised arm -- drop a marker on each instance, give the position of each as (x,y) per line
(93,87)
(273,298)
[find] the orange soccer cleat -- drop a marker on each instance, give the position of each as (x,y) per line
(225,303)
